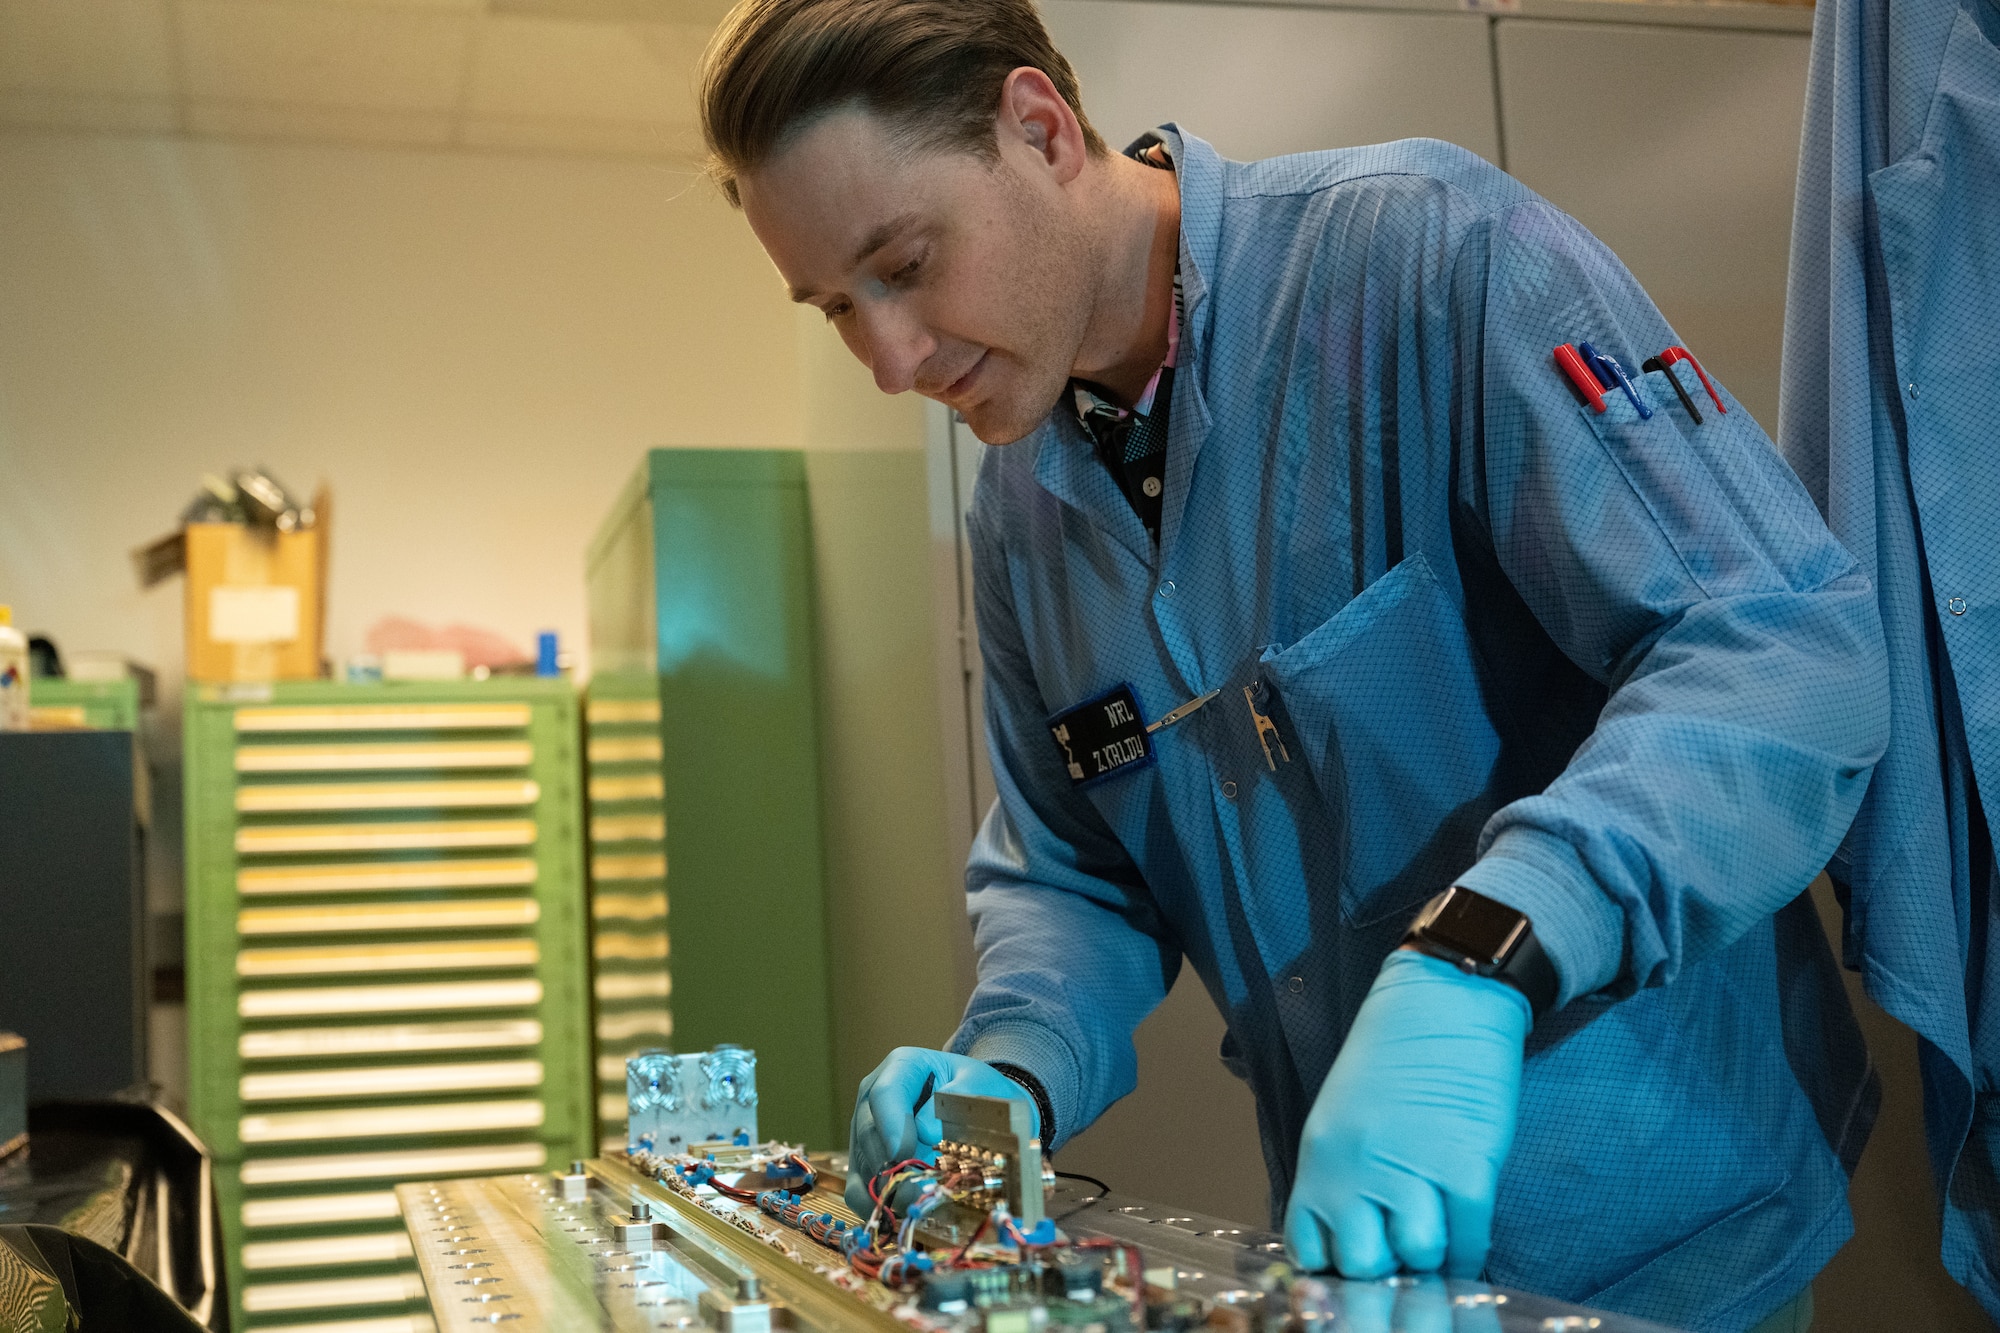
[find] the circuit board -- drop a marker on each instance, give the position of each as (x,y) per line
(615,1246)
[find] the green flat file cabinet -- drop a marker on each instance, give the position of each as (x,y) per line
(102,705)
(388,977)
(708,883)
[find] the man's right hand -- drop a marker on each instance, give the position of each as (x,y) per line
(885,1130)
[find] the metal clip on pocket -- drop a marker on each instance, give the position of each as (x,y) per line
(1267,731)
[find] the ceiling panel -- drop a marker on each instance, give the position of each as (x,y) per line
(319,124)
(409,57)
(43,109)
(86,46)
(585,71)
(704,14)
(545,76)
(618,138)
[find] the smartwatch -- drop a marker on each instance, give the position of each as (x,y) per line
(1487,939)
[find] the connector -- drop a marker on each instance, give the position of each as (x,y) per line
(575,1184)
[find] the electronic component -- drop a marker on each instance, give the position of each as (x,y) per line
(738,1236)
(676,1103)
(523,1250)
(573,1183)
(989,1154)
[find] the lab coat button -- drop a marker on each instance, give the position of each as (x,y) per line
(1296,985)
(1229,790)
(1167,588)
(1912,386)
(1956,606)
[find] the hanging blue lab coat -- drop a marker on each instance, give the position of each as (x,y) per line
(1612,671)
(1890,412)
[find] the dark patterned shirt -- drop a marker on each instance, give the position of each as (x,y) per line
(1132,442)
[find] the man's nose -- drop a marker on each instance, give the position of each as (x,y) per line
(897,346)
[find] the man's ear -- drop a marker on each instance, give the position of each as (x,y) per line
(1034,116)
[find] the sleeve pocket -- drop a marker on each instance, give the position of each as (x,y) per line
(1708,489)
(1385,701)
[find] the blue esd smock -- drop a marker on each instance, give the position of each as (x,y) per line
(1613,672)
(1890,411)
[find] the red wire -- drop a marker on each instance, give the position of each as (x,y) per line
(980,1231)
(1135,1272)
(892,1169)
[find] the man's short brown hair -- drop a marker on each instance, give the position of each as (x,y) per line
(932,69)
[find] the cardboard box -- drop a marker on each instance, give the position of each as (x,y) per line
(256,602)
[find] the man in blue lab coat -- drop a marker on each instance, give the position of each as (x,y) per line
(1470,729)
(1890,411)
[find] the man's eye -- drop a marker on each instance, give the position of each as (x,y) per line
(906,273)
(835,311)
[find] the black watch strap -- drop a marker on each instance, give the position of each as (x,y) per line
(1487,938)
(1038,1092)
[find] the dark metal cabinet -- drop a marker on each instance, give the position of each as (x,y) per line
(72,952)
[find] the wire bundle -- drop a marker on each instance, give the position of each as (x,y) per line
(883,1247)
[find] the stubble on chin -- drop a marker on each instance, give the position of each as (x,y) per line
(1051,287)
(1015,410)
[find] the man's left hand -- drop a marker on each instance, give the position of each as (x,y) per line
(1401,1156)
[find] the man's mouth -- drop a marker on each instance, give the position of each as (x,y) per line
(963,384)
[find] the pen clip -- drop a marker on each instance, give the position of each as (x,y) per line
(1605,365)
(1595,360)
(1673,354)
(1181,712)
(1666,368)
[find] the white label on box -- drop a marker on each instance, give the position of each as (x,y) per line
(423,664)
(253,614)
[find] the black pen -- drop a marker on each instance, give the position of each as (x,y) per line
(1654,363)
(924,1097)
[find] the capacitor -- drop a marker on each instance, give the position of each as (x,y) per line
(1077,1278)
(946,1292)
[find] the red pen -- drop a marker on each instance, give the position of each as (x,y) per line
(1673,354)
(1579,375)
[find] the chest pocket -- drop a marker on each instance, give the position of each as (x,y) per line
(1385,704)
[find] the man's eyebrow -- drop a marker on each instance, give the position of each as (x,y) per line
(872,242)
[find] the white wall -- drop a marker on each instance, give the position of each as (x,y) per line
(473,349)
(1278,80)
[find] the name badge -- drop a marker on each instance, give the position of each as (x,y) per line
(1102,736)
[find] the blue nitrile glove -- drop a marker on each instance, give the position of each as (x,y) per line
(884,1130)
(1401,1155)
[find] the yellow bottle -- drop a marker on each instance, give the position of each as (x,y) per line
(13,673)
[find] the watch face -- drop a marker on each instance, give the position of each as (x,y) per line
(1476,926)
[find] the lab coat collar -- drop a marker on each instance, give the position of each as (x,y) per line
(1198,174)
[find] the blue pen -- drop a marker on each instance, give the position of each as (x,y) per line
(1612,375)
(1595,360)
